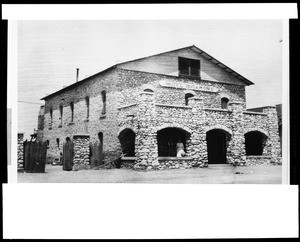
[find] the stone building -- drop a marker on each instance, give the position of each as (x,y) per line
(144,107)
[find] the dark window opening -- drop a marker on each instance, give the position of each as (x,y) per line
(72,111)
(187,96)
(127,140)
(61,114)
(217,142)
(100,137)
(68,140)
(167,140)
(254,142)
(224,103)
(188,67)
(87,102)
(103,95)
(148,90)
(48,143)
(57,142)
(51,117)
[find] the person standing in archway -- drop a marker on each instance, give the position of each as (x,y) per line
(180,149)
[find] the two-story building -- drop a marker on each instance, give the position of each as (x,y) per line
(144,107)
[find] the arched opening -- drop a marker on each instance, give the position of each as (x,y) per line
(57,142)
(148,90)
(167,140)
(217,143)
(254,143)
(187,96)
(100,137)
(224,103)
(127,140)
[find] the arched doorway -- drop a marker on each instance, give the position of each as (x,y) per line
(255,142)
(167,140)
(217,142)
(127,140)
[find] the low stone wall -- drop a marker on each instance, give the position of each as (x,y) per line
(20,151)
(178,163)
(254,160)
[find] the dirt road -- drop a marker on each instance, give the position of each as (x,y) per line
(214,174)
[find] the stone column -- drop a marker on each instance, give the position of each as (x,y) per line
(273,141)
(237,143)
(20,151)
(81,159)
(197,147)
(146,137)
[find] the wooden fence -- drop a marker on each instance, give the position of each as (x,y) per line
(35,156)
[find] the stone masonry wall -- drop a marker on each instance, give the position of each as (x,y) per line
(81,158)
(20,151)
(95,123)
(129,106)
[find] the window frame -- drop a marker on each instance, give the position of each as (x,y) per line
(189,63)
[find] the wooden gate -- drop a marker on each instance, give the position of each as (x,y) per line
(96,154)
(35,156)
(67,157)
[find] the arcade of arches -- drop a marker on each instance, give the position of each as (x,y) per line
(217,141)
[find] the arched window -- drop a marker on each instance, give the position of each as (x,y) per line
(87,102)
(100,137)
(48,143)
(103,95)
(187,96)
(148,90)
(224,103)
(57,142)
(255,143)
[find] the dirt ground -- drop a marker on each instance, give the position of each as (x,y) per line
(214,174)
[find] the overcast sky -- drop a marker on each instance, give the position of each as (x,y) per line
(50,51)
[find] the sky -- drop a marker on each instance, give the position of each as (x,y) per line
(50,51)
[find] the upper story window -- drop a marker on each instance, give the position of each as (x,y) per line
(103,96)
(51,117)
(224,103)
(87,102)
(61,113)
(72,111)
(188,67)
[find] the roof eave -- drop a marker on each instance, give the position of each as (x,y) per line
(77,83)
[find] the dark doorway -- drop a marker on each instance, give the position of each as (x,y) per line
(167,140)
(254,143)
(127,140)
(216,146)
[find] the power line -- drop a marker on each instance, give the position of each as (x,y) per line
(29,102)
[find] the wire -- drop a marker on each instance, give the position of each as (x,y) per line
(29,102)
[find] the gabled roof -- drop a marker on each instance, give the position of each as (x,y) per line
(204,54)
(193,47)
